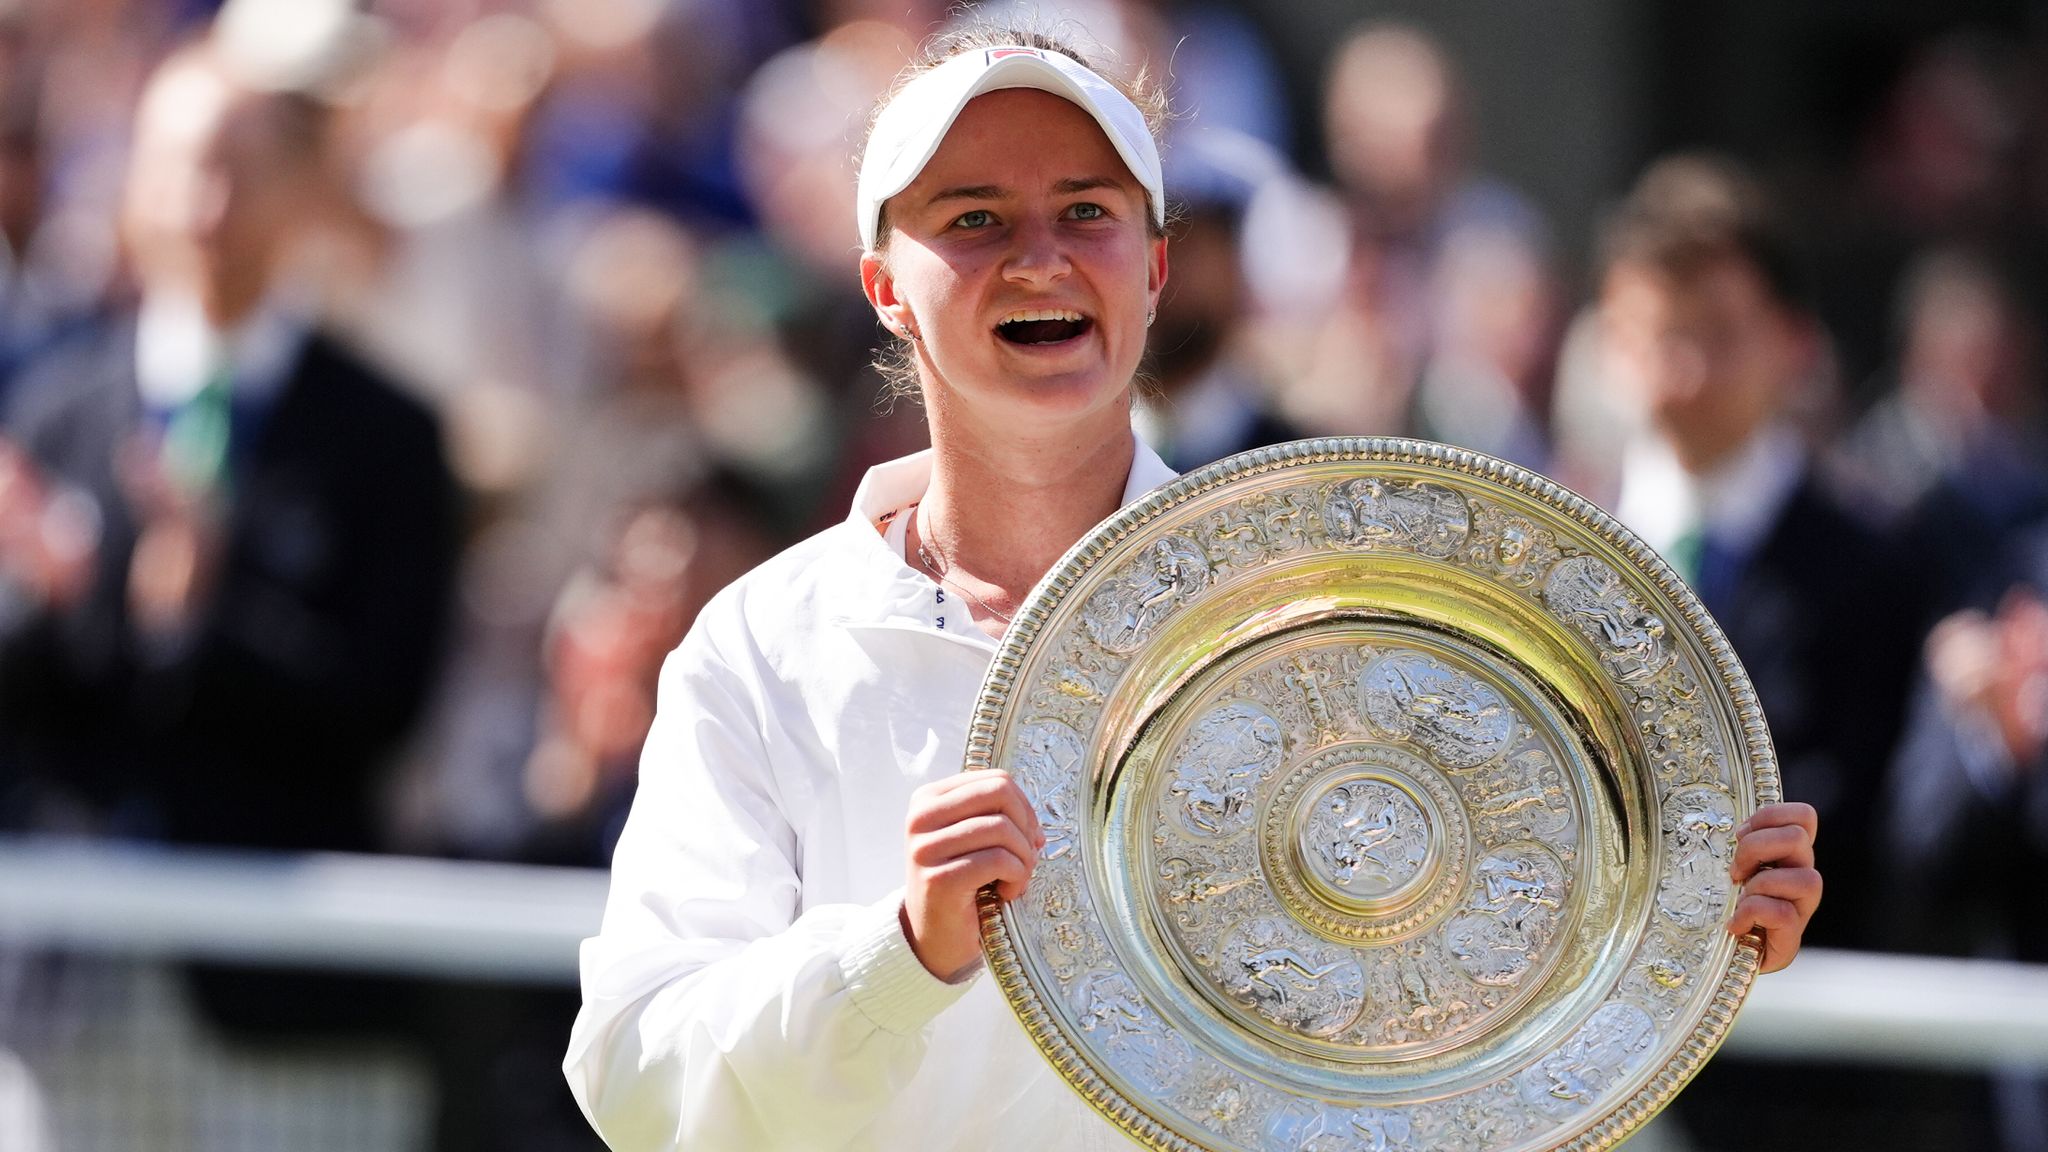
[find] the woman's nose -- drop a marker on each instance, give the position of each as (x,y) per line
(1037,254)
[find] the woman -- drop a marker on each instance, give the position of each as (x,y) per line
(789,955)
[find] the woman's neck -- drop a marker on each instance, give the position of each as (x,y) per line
(1000,512)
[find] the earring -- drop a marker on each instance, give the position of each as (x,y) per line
(1151,314)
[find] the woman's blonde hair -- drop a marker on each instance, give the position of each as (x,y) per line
(894,361)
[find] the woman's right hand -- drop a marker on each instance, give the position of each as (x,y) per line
(965,832)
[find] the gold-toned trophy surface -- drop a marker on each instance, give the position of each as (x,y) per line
(1389,793)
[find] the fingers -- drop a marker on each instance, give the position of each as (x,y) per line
(937,849)
(962,876)
(1799,887)
(969,794)
(1787,846)
(1780,922)
(1787,813)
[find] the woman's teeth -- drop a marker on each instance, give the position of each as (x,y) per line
(1042,326)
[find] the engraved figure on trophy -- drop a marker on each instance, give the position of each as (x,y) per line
(1371,512)
(1489,1118)
(1523,799)
(1367,837)
(1196,890)
(1219,1101)
(1307,1127)
(1123,611)
(1497,937)
(1290,980)
(1306,678)
(1048,768)
(1601,1054)
(1234,537)
(1070,946)
(1185,882)
(1078,681)
(1109,1008)
(1461,722)
(1699,829)
(1662,967)
(1590,596)
(1510,547)
(1219,765)
(1678,740)
(1285,521)
(1417,998)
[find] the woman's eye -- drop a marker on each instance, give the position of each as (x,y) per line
(1088,211)
(979,218)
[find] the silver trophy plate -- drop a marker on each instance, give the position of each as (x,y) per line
(1389,793)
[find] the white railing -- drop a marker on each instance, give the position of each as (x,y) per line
(509,922)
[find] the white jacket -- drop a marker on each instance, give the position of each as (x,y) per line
(751,987)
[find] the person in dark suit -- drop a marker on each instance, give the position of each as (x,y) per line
(230,542)
(1705,318)
(1969,802)
(227,544)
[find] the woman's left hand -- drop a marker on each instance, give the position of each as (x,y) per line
(1781,888)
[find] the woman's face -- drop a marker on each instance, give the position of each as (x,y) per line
(1022,258)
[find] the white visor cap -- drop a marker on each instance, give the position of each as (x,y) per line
(910,128)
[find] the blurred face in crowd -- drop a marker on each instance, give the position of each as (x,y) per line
(1712,353)
(1026,271)
(1391,117)
(1198,316)
(1968,349)
(215,189)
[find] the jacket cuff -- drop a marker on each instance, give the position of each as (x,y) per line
(887,981)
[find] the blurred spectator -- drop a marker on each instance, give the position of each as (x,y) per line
(643,105)
(1969,807)
(1953,452)
(1938,164)
(1494,335)
(1703,315)
(1398,128)
(440,271)
(1208,398)
(694,388)
(1705,319)
(68,79)
(227,543)
(613,626)
(802,121)
(204,580)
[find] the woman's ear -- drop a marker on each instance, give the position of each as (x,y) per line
(1155,274)
(880,287)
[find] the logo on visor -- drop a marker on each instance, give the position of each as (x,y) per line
(995,54)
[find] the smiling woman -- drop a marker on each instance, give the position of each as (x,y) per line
(790,954)
(790,951)
(898,361)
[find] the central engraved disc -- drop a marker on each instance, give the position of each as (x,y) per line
(1354,844)
(1365,839)
(1365,842)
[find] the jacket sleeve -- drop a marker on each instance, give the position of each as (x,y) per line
(715,1016)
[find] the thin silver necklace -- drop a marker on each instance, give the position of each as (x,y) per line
(931,564)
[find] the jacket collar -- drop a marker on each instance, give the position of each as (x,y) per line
(878,587)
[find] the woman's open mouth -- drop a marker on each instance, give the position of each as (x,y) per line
(1043,326)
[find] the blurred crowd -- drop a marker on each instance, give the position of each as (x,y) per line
(386,386)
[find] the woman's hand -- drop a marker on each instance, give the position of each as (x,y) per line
(964,833)
(1774,863)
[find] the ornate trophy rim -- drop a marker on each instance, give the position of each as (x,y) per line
(1610,1121)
